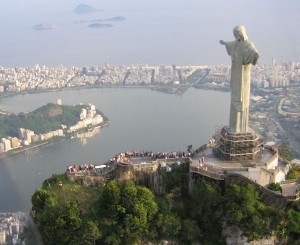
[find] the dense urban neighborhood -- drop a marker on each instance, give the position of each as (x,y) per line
(275,88)
(13,227)
(18,79)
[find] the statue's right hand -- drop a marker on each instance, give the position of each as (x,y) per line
(222,42)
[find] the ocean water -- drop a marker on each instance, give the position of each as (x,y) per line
(154,32)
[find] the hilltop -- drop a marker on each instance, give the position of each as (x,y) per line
(42,120)
(128,213)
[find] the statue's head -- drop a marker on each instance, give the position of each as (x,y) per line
(240,33)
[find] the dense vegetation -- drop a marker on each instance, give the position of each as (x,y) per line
(44,119)
(125,213)
(285,152)
(274,187)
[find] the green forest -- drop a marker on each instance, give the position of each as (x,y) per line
(42,120)
(125,213)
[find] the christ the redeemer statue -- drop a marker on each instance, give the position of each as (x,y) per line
(243,56)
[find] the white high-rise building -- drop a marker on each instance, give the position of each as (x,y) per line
(21,133)
(92,107)
(2,149)
(273,62)
(28,135)
(7,144)
(83,114)
(2,236)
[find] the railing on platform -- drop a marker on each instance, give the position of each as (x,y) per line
(93,172)
(207,173)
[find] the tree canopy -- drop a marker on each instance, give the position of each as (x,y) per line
(127,210)
(126,213)
(42,120)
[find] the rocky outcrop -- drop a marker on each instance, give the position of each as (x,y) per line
(147,175)
(93,181)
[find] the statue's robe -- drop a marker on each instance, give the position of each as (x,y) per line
(243,55)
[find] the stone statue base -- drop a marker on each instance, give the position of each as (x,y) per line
(231,146)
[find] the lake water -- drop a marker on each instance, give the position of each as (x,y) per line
(140,119)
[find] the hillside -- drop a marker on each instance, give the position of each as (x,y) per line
(126,213)
(42,120)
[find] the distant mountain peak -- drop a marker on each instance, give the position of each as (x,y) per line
(84,9)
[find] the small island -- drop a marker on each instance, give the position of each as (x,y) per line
(46,124)
(84,9)
(113,19)
(98,25)
(118,18)
(42,27)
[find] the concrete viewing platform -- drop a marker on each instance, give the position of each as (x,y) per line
(202,163)
(206,160)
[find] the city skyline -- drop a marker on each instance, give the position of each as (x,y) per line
(42,77)
(169,32)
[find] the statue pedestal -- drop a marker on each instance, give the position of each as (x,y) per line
(231,146)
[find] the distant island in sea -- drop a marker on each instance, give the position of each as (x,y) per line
(113,19)
(98,25)
(41,27)
(95,23)
(84,9)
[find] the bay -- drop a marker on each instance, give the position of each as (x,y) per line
(140,119)
(153,32)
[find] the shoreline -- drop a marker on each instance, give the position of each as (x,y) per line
(51,141)
(154,87)
(10,94)
(23,149)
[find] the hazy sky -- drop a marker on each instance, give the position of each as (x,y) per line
(155,31)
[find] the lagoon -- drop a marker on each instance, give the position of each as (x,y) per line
(140,119)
